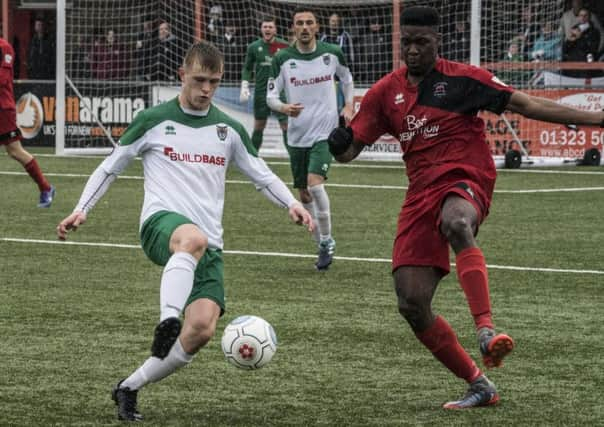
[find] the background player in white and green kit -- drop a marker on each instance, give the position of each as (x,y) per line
(258,61)
(306,72)
(186,145)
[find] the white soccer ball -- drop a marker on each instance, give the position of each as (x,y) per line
(249,342)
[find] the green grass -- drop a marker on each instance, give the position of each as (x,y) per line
(75,319)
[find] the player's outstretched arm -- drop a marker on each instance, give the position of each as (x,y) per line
(70,223)
(278,193)
(548,111)
(95,188)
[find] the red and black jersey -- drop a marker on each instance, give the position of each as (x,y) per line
(7,97)
(435,121)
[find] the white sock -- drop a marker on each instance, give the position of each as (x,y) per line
(321,201)
(155,369)
(176,284)
(310,207)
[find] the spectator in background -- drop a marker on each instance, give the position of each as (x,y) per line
(338,36)
(41,55)
(528,31)
(342,38)
(144,49)
(108,60)
(458,43)
(376,52)
(232,49)
(582,45)
(81,57)
(548,46)
(356,22)
(514,54)
(216,25)
(168,54)
(570,18)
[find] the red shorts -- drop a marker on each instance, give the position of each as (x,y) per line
(419,241)
(9,131)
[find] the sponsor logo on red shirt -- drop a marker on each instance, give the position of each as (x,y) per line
(415,126)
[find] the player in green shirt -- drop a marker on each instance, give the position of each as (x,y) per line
(258,60)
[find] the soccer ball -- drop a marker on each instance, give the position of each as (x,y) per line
(249,342)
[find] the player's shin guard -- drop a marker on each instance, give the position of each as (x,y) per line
(155,369)
(441,340)
(176,284)
(257,138)
(473,278)
(322,208)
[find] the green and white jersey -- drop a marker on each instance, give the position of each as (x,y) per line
(258,61)
(308,79)
(185,158)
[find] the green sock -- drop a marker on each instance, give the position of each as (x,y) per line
(257,139)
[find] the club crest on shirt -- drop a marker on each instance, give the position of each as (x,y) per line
(222,131)
(399,98)
(326,59)
(440,89)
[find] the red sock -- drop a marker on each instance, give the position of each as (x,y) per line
(441,340)
(474,280)
(36,174)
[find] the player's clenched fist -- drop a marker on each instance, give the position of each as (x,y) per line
(72,222)
(339,140)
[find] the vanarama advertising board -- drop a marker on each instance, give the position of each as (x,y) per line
(36,119)
(36,105)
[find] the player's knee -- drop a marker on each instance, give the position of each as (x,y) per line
(189,238)
(457,228)
(196,245)
(199,242)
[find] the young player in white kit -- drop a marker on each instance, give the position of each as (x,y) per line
(186,145)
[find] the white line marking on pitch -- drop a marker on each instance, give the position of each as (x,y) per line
(361,164)
(290,255)
(365,186)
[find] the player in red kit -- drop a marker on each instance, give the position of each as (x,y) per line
(10,136)
(430,106)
